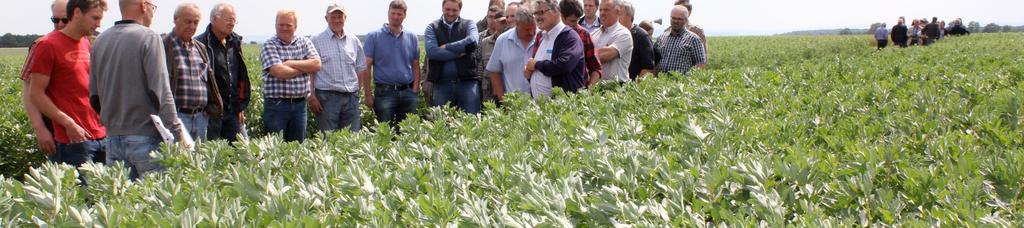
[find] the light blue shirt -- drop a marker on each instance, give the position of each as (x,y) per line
(341,58)
(509,59)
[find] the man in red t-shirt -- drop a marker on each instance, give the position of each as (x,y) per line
(59,86)
(44,137)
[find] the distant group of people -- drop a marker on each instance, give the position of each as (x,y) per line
(920,32)
(110,100)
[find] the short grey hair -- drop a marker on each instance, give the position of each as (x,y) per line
(218,8)
(628,9)
(551,4)
(618,3)
(525,16)
(183,6)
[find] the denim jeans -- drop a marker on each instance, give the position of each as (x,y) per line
(76,154)
(463,94)
(227,127)
(340,111)
(393,106)
(195,124)
(287,117)
(134,151)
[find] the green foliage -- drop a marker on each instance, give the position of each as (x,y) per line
(781,134)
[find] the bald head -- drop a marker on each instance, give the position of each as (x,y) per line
(141,11)
(59,9)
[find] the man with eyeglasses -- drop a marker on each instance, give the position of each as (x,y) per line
(229,70)
(40,124)
(679,50)
(128,83)
(557,58)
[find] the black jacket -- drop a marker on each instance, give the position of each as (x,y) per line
(899,33)
(230,71)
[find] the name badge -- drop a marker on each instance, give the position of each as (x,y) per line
(549,51)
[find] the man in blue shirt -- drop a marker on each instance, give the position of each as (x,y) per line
(394,56)
(450,43)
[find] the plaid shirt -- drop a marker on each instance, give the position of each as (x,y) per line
(274,52)
(589,55)
(191,84)
(679,52)
(342,60)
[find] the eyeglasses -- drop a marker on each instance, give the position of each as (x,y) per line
(152,5)
(55,20)
(540,12)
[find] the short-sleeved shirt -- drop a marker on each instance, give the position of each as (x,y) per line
(190,92)
(643,52)
(617,37)
(341,60)
(25,69)
(66,62)
(275,51)
(679,52)
(509,59)
(392,56)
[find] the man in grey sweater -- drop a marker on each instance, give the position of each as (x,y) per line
(128,83)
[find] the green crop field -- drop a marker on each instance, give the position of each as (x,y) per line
(778,131)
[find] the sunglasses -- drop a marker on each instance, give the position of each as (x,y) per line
(55,20)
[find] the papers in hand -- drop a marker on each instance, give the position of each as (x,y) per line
(168,137)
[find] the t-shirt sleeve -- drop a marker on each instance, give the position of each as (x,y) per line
(415,43)
(360,57)
(269,57)
(42,59)
(368,47)
(311,52)
(494,63)
(623,43)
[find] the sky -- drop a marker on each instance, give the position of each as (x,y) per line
(717,17)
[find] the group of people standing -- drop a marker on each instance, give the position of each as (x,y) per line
(920,32)
(108,100)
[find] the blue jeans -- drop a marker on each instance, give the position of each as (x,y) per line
(227,127)
(393,106)
(134,151)
(340,111)
(285,116)
(463,94)
(195,124)
(77,154)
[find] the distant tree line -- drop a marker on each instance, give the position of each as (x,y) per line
(15,41)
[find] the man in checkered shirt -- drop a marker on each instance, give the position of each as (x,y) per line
(679,50)
(335,99)
(195,93)
(288,62)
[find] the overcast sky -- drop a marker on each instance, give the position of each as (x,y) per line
(718,17)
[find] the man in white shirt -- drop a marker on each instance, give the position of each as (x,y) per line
(614,43)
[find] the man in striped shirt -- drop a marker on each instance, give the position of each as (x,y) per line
(195,93)
(679,50)
(335,100)
(288,60)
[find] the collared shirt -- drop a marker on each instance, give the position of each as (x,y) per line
(191,84)
(679,52)
(617,37)
(276,51)
(392,56)
(592,26)
(341,60)
(509,59)
(881,33)
(589,54)
(540,84)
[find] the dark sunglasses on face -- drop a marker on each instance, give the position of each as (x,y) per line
(61,20)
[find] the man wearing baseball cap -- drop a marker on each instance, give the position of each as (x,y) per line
(335,99)
(495,27)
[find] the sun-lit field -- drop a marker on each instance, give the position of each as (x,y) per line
(801,131)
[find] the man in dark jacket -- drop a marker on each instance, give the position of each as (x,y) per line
(557,59)
(225,52)
(899,33)
(931,31)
